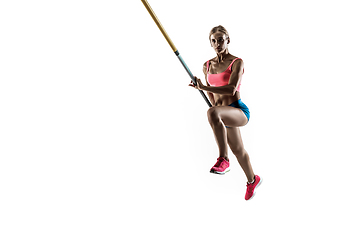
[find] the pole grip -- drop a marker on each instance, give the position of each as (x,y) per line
(192,78)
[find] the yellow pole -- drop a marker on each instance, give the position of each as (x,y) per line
(156,20)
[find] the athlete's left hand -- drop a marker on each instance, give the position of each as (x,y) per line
(199,84)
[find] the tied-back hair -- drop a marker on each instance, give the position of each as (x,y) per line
(218,29)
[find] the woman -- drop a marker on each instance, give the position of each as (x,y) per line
(223,76)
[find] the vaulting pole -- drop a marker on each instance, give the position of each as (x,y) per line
(156,20)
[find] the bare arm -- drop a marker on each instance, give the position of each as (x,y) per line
(211,96)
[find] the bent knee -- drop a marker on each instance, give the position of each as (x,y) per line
(213,114)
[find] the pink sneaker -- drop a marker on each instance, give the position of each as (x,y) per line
(222,166)
(250,191)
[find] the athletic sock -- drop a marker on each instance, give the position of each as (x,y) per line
(253,181)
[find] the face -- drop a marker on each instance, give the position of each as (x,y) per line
(219,41)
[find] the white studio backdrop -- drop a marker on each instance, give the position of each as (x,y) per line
(102,138)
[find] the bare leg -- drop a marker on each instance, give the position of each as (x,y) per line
(237,147)
(220,136)
(220,115)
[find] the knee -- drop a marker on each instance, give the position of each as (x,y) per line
(239,151)
(213,115)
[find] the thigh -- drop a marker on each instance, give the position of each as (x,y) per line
(230,116)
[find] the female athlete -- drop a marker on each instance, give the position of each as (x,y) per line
(223,76)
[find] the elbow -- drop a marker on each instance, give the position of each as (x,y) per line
(232,91)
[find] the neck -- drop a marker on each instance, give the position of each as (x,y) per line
(221,56)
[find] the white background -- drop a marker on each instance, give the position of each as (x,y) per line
(102,138)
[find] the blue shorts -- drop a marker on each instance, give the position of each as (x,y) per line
(239,104)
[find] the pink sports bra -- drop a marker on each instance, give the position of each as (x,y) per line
(221,79)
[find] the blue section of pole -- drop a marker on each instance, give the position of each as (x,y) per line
(187,69)
(192,77)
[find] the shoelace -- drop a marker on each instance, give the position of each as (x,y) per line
(223,164)
(250,186)
(218,163)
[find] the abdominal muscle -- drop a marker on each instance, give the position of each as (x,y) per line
(225,100)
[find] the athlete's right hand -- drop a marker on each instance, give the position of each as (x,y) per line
(198,84)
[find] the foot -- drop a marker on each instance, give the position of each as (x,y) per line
(222,166)
(250,191)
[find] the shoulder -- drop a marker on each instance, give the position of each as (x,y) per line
(238,66)
(205,66)
(210,60)
(238,63)
(237,60)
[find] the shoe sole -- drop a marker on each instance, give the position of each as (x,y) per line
(256,188)
(221,173)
